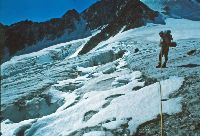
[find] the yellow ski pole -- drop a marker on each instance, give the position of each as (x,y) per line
(161,108)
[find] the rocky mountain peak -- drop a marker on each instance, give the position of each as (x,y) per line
(128,14)
(27,36)
(102,13)
(71,14)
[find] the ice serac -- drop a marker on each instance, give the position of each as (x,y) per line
(188,9)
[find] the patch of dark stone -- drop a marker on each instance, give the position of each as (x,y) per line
(136,88)
(191,52)
(189,65)
(106,104)
(142,130)
(113,96)
(136,50)
(89,114)
(71,105)
(109,120)
(90,129)
(109,99)
(122,130)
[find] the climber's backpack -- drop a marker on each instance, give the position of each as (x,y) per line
(168,35)
(173,44)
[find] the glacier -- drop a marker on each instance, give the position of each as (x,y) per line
(111,90)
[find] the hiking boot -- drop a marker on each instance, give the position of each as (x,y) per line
(164,65)
(159,65)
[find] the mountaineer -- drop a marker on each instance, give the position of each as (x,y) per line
(165,43)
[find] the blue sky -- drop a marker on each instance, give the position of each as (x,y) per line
(12,11)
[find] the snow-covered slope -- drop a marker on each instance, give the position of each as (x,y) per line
(189,9)
(112,90)
(181,29)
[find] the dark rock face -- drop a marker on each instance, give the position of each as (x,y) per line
(2,39)
(129,13)
(102,13)
(26,33)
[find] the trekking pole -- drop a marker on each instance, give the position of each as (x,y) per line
(161,108)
